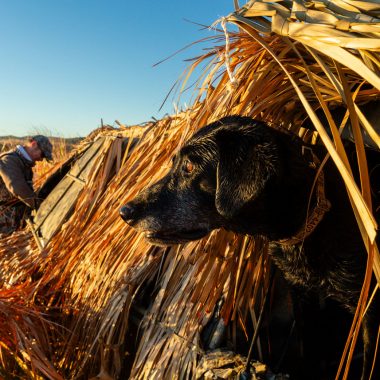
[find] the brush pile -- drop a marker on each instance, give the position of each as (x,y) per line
(67,311)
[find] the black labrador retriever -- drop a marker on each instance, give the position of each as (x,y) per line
(239,174)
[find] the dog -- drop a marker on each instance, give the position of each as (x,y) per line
(241,175)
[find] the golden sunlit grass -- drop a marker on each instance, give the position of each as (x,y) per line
(86,280)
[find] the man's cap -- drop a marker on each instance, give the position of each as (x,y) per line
(45,145)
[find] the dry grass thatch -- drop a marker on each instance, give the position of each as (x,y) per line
(73,301)
(86,278)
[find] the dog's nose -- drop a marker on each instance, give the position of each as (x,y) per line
(127,212)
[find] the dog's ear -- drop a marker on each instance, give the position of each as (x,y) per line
(247,159)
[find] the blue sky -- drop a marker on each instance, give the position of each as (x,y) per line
(65,64)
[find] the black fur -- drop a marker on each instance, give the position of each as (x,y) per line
(241,175)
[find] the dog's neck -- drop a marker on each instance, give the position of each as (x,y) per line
(316,213)
(295,193)
(282,210)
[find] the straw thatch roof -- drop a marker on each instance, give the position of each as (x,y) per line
(67,310)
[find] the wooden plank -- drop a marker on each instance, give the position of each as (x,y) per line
(59,204)
(61,210)
(79,180)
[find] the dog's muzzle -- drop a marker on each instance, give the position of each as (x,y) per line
(127,213)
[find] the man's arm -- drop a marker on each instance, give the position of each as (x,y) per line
(11,172)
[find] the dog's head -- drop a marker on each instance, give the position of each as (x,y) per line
(222,169)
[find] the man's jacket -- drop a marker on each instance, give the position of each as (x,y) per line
(16,179)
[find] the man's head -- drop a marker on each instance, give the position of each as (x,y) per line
(39,147)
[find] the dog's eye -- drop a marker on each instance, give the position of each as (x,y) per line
(188,166)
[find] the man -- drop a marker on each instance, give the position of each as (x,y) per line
(17,196)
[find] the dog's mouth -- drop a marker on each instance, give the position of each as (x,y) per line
(177,237)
